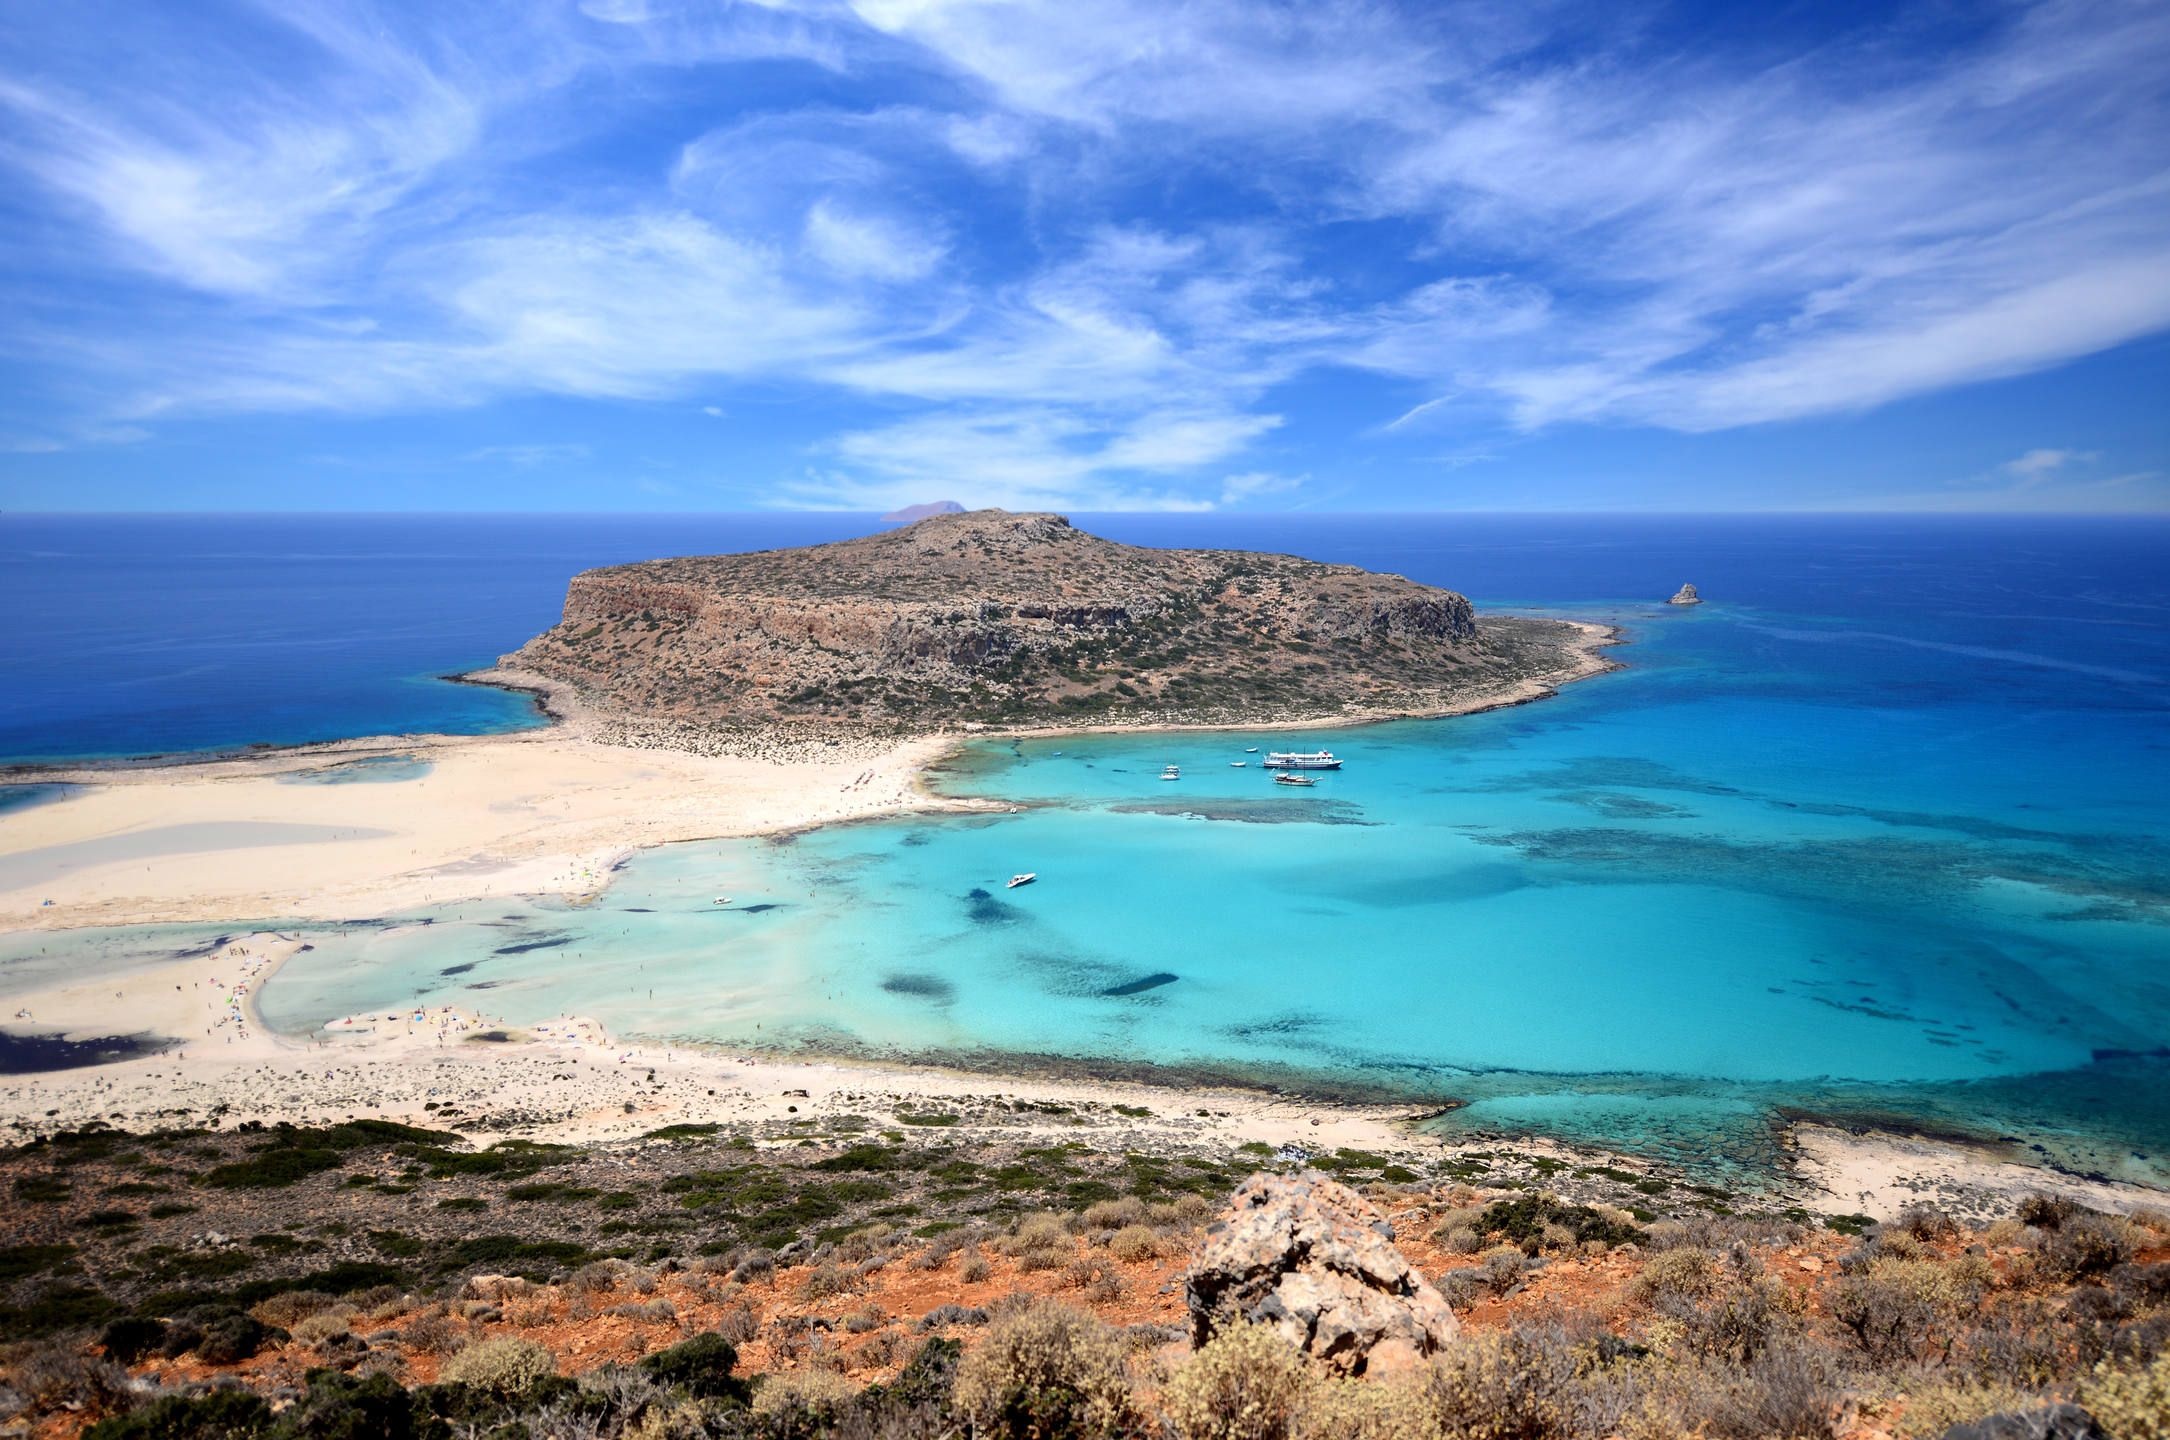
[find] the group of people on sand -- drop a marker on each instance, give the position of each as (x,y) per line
(235,1010)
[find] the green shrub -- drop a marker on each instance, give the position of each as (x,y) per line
(132,1337)
(1245,1384)
(1047,1372)
(220,1415)
(700,1366)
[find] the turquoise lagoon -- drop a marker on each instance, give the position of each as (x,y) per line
(1892,861)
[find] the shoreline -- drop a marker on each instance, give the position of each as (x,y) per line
(388,1065)
(568,1080)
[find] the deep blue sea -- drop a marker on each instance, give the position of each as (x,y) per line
(1876,834)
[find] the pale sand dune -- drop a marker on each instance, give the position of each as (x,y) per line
(534,813)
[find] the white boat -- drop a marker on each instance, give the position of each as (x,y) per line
(721,900)
(1171,772)
(1025,879)
(1302,760)
(1294,780)
(1239,764)
(1250,749)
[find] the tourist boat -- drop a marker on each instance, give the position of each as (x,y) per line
(1025,879)
(1171,772)
(1302,760)
(1294,780)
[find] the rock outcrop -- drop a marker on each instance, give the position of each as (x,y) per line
(1685,595)
(1315,1260)
(994,618)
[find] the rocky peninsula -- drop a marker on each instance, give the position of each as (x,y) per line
(988,619)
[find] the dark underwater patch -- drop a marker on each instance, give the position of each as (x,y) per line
(925,987)
(1614,806)
(550,942)
(1139,986)
(459,969)
(35,1054)
(984,909)
(758,908)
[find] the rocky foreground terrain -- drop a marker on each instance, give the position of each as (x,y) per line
(891,1278)
(1013,620)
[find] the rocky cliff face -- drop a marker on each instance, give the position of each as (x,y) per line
(1011,619)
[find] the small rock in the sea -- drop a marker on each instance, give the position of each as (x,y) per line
(1685,595)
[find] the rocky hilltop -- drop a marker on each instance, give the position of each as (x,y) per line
(1020,619)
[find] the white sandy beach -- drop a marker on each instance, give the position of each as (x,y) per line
(540,812)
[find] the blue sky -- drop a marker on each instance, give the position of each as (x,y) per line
(1091,254)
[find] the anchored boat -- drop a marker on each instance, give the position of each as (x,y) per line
(1025,879)
(1294,780)
(1302,760)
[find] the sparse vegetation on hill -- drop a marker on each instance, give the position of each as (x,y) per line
(851,1278)
(1005,619)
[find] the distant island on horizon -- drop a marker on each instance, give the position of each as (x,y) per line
(992,619)
(932,508)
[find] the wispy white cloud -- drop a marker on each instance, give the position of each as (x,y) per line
(1089,256)
(525,456)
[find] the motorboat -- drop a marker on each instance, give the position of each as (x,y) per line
(1250,749)
(721,900)
(1171,772)
(1239,764)
(1302,760)
(1025,879)
(1294,780)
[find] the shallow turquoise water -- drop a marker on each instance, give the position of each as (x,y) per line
(1894,859)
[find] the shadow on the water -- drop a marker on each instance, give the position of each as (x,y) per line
(924,987)
(36,1054)
(1138,987)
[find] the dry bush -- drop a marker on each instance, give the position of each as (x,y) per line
(1553,1239)
(506,1365)
(888,1348)
(1925,1222)
(1113,1215)
(1247,1383)
(2004,1232)
(56,1376)
(2044,1211)
(1104,1288)
(1899,1309)
(861,1321)
(827,1279)
(324,1325)
(865,1243)
(737,1324)
(433,1332)
(1685,1271)
(815,1390)
(1462,1240)
(974,1267)
(529,1311)
(1511,1386)
(1501,1268)
(1046,1371)
(291,1307)
(753,1268)
(1933,1409)
(597,1277)
(1395,1409)
(1134,1243)
(2155,1222)
(2131,1402)
(658,1311)
(2084,1245)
